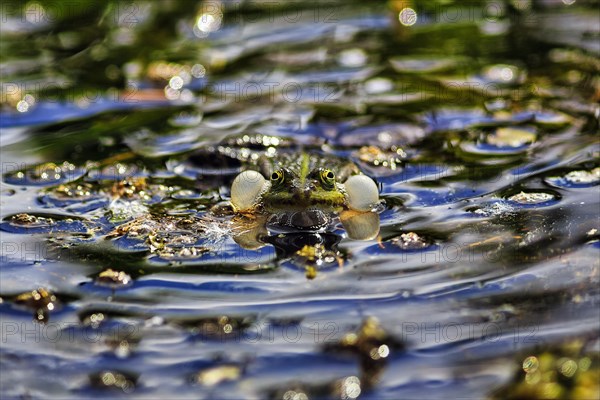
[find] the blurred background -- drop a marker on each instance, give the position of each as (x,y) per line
(479,120)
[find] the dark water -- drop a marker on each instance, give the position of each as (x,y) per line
(483,122)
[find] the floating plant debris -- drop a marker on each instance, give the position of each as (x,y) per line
(115,380)
(113,278)
(41,301)
(216,375)
(410,241)
(561,372)
(511,137)
(45,174)
(531,197)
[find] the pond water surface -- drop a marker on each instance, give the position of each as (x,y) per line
(124,123)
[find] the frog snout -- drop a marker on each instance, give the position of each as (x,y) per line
(302,192)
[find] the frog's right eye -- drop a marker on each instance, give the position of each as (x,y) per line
(277,177)
(245,190)
(327,178)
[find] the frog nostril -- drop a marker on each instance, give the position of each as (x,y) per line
(297,193)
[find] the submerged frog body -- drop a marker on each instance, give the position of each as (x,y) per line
(303,190)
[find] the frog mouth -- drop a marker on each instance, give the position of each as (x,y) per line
(303,220)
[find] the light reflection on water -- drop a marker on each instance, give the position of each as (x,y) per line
(482,138)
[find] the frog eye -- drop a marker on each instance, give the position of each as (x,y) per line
(327,178)
(362,192)
(245,189)
(277,177)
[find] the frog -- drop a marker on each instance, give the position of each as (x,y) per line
(303,191)
(286,193)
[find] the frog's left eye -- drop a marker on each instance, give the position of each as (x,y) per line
(277,177)
(327,178)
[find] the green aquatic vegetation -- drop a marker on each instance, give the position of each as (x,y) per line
(568,371)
